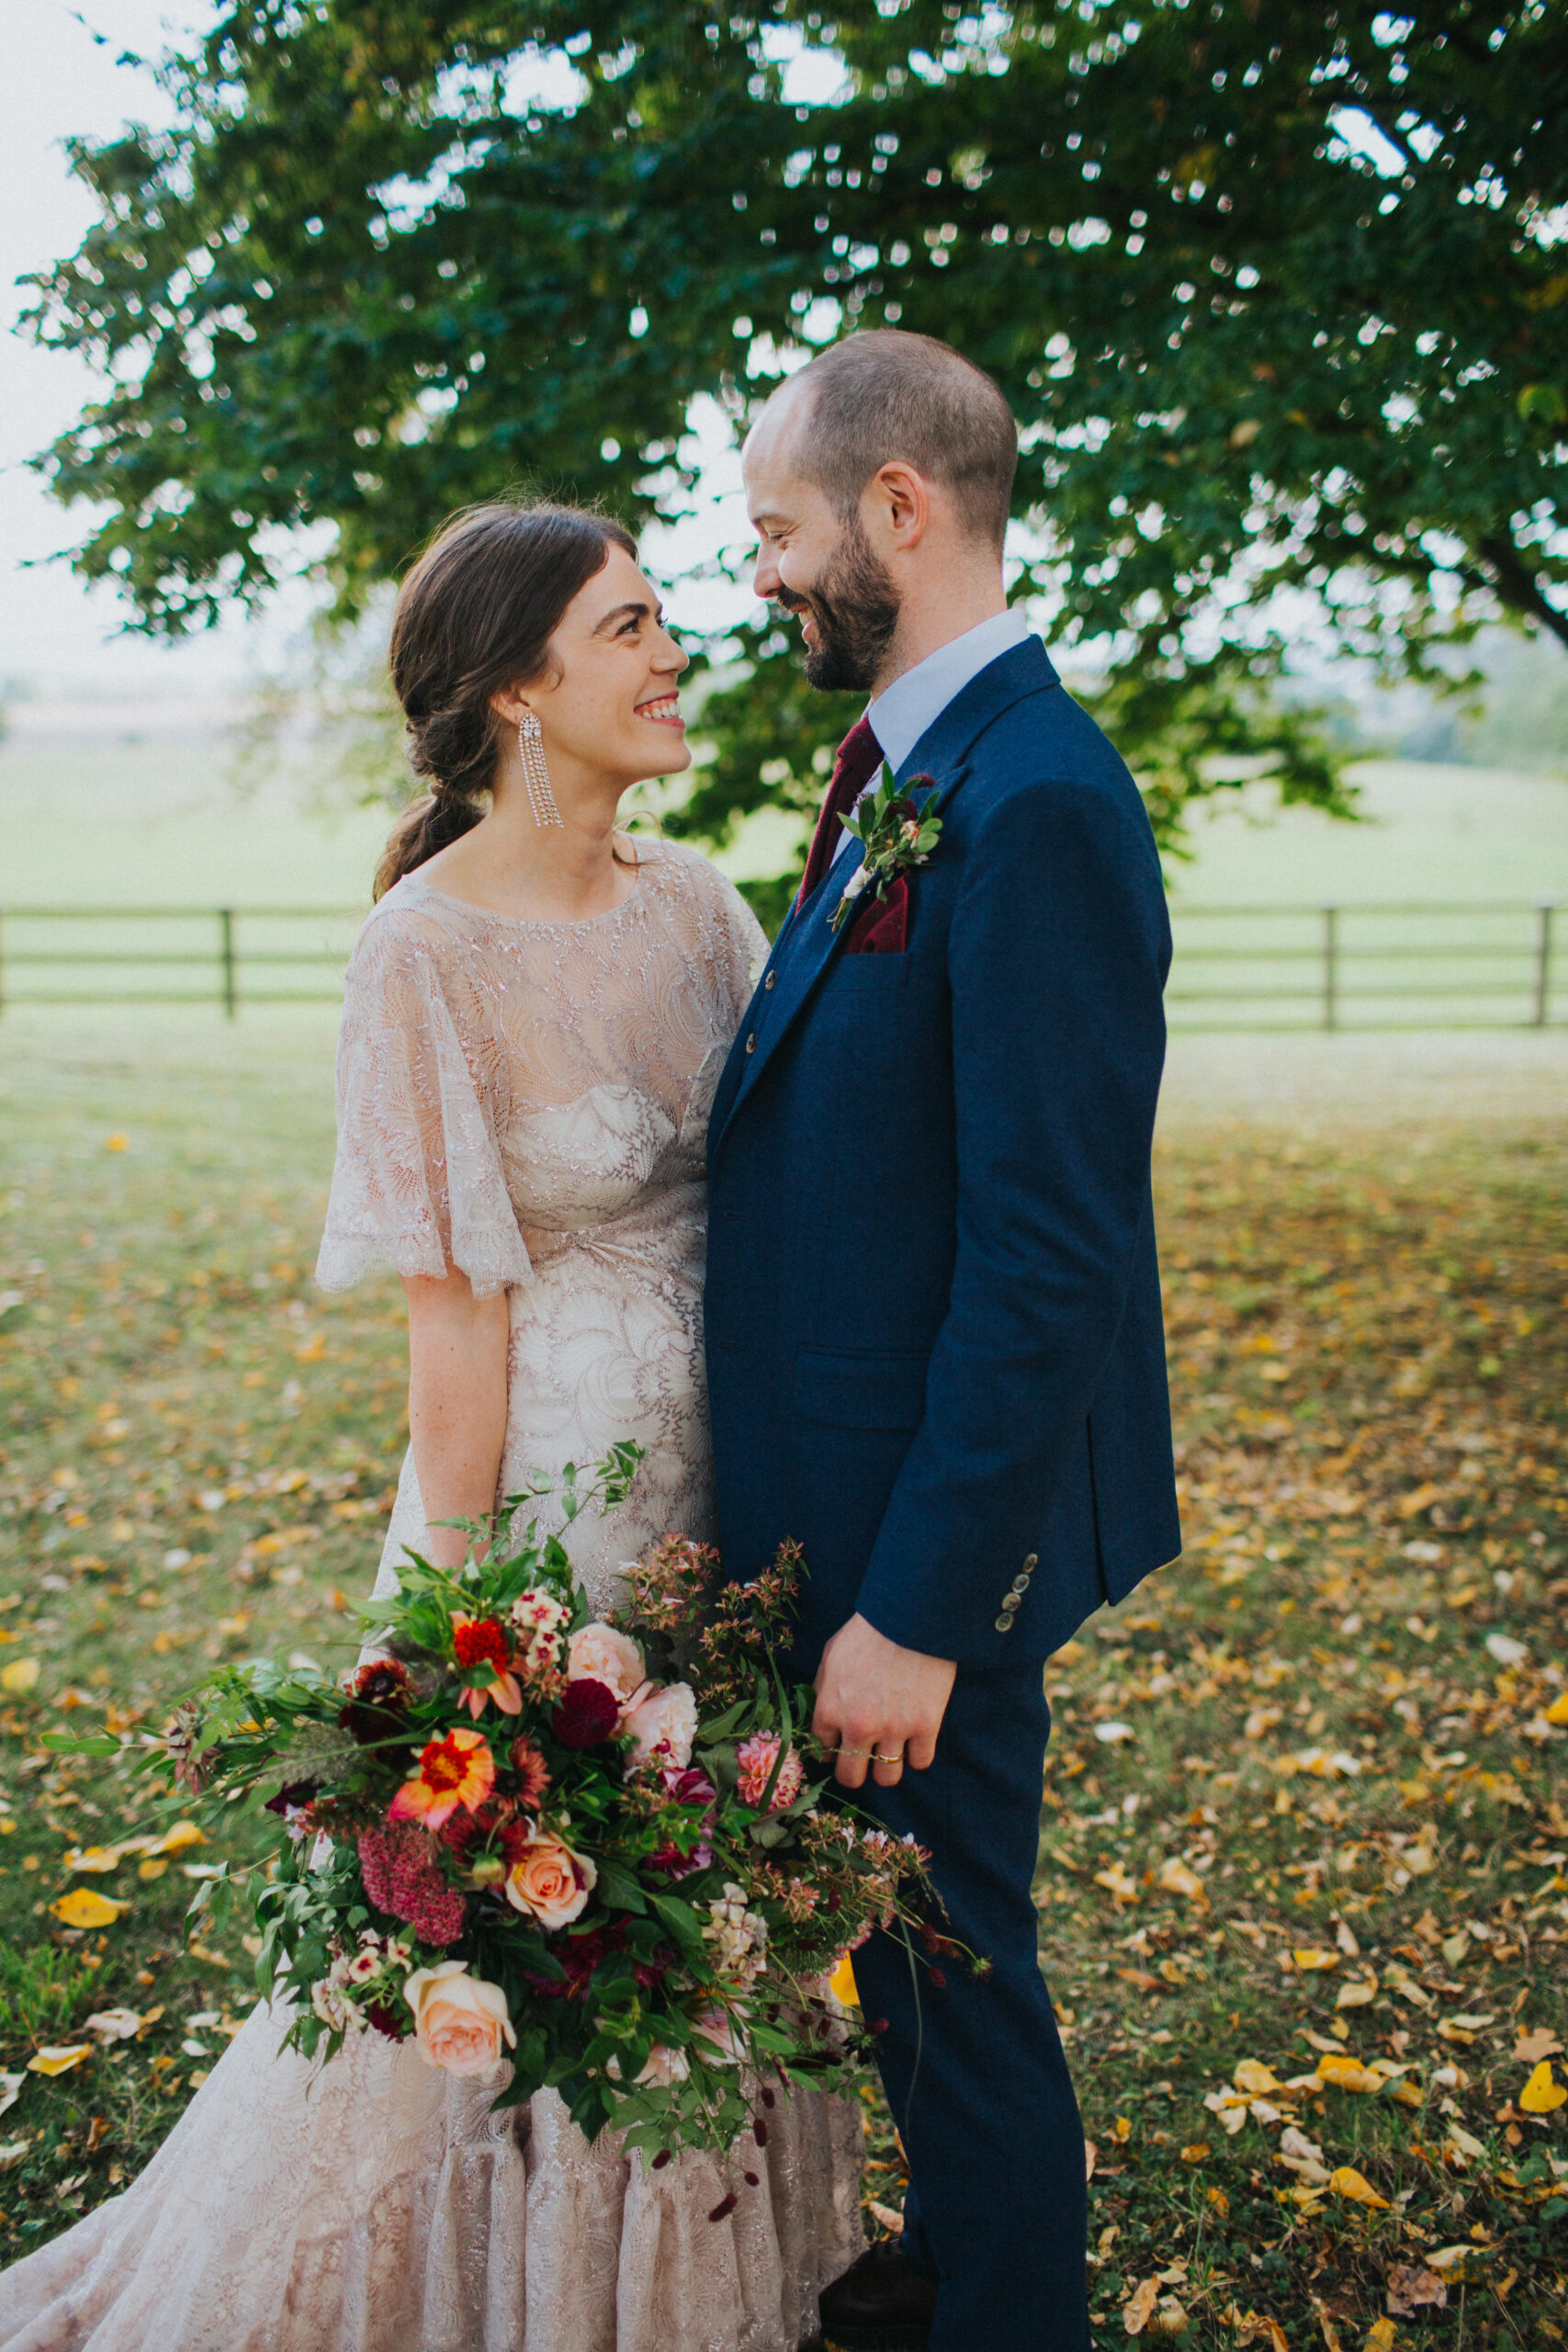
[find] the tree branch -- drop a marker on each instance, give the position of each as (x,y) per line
(1517,585)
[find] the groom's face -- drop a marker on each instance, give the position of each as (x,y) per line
(820,565)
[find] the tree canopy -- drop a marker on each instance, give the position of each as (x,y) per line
(1278,295)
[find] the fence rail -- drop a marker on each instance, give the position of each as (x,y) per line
(1449,963)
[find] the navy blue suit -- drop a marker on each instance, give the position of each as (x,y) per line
(936,1357)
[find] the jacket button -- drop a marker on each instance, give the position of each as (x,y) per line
(1011,1603)
(1020,1584)
(1031,1562)
(770,979)
(751,1042)
(1004,1624)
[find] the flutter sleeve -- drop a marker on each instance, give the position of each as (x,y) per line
(417,1184)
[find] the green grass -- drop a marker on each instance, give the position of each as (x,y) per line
(1366,1269)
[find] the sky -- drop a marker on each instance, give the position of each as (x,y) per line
(69,75)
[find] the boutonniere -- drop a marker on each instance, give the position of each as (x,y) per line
(898,832)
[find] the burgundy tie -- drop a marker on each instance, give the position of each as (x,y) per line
(860,756)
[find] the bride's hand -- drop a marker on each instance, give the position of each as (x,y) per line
(879,1705)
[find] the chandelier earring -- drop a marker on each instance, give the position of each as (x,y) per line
(536,775)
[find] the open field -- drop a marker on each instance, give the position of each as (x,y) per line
(1304,1883)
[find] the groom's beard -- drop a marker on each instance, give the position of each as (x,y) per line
(855,607)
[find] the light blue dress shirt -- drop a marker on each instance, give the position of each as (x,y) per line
(914,702)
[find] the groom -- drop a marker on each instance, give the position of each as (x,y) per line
(935,1350)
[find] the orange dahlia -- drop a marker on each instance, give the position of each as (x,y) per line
(457,1771)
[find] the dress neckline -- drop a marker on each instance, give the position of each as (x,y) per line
(533,922)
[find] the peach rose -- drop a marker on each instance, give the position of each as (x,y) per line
(664,1726)
(459,2020)
(548,1882)
(599,1653)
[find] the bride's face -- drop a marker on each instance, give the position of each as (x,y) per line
(609,702)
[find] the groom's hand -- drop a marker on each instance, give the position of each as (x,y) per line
(879,1705)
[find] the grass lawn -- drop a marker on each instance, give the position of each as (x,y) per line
(1303,1884)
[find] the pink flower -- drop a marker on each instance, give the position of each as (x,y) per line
(756,1758)
(690,1787)
(663,1723)
(460,2020)
(548,1882)
(538,1620)
(599,1653)
(665,2066)
(724,2038)
(402,1876)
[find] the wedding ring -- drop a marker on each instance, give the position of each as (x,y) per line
(896,1756)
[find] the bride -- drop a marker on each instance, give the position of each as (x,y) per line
(536,1015)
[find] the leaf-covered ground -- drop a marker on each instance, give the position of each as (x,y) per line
(1304,1883)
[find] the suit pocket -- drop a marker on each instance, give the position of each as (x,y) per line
(860,1392)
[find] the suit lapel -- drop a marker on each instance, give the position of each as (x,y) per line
(807,943)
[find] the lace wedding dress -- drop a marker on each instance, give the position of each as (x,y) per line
(529,1101)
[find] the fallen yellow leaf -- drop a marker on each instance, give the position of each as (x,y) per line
(1309,1956)
(84,1908)
(94,1858)
(151,1869)
(1347,2182)
(1257,2079)
(1174,1877)
(175,1841)
(1356,1994)
(1379,2337)
(22,1674)
(1121,2129)
(1138,2310)
(1348,2073)
(58,2061)
(1557,1713)
(1220,2201)
(891,2222)
(1542,2094)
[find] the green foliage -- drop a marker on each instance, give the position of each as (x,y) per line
(1275,294)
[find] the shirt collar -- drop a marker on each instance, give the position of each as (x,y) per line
(914,702)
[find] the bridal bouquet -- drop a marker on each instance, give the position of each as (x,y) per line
(600,1849)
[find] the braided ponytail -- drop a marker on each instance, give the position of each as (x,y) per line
(476,616)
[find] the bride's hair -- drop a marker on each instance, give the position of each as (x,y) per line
(475,615)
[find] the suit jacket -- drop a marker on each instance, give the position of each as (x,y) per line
(935,1347)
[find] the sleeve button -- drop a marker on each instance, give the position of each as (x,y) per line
(1031,1562)
(1011,1603)
(1020,1584)
(1004,1624)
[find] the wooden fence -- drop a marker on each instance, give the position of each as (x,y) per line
(1445,966)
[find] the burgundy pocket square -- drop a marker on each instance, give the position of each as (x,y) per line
(882,928)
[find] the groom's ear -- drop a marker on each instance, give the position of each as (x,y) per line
(895,508)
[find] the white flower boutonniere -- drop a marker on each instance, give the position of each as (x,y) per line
(899,834)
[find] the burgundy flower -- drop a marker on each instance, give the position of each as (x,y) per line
(402,1877)
(588,1714)
(377,1700)
(384,2018)
(293,1796)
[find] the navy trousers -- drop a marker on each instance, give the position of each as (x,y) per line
(997,2209)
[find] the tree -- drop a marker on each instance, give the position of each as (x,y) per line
(1275,292)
